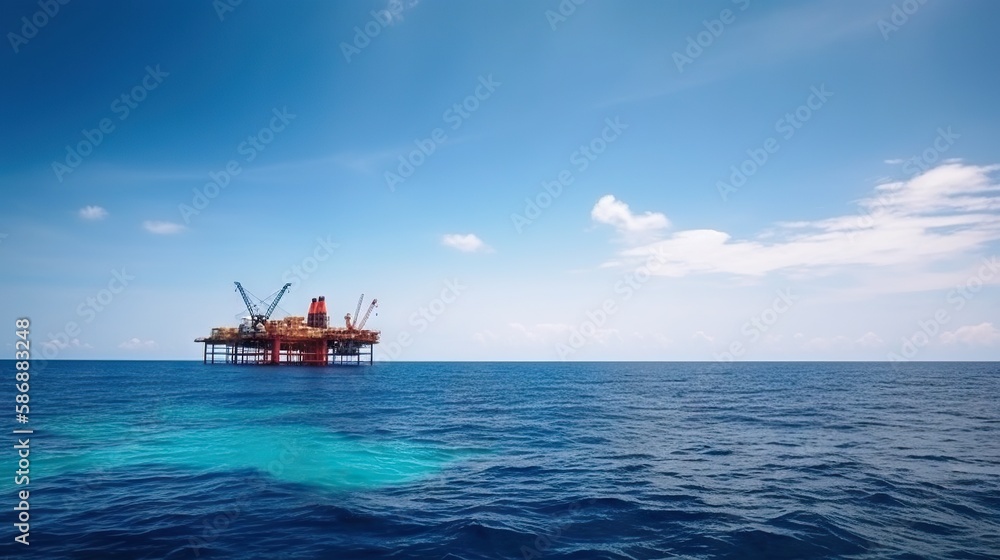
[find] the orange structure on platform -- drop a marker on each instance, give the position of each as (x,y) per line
(293,340)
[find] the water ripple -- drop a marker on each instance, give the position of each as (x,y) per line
(562,461)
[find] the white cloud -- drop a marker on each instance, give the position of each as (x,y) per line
(162,228)
(93,213)
(468,243)
(777,37)
(485,336)
(870,340)
(617,214)
(983,334)
(946,213)
(821,343)
(895,161)
(700,335)
(560,333)
(137,344)
(368,162)
(57,344)
(393,12)
(541,332)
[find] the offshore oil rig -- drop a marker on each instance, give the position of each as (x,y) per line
(296,340)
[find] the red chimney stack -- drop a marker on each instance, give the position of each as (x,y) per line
(311,317)
(322,320)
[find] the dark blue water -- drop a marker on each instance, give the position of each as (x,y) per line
(507,460)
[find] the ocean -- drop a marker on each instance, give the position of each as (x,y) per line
(180,460)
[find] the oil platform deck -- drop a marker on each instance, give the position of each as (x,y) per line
(293,340)
(289,341)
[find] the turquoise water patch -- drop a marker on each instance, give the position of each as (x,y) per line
(220,439)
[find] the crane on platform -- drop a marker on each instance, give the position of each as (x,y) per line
(361,324)
(351,320)
(257,318)
(357,310)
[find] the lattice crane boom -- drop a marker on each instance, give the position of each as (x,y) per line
(274,303)
(256,317)
(368,313)
(357,310)
(246,299)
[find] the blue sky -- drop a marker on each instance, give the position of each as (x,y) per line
(512,180)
